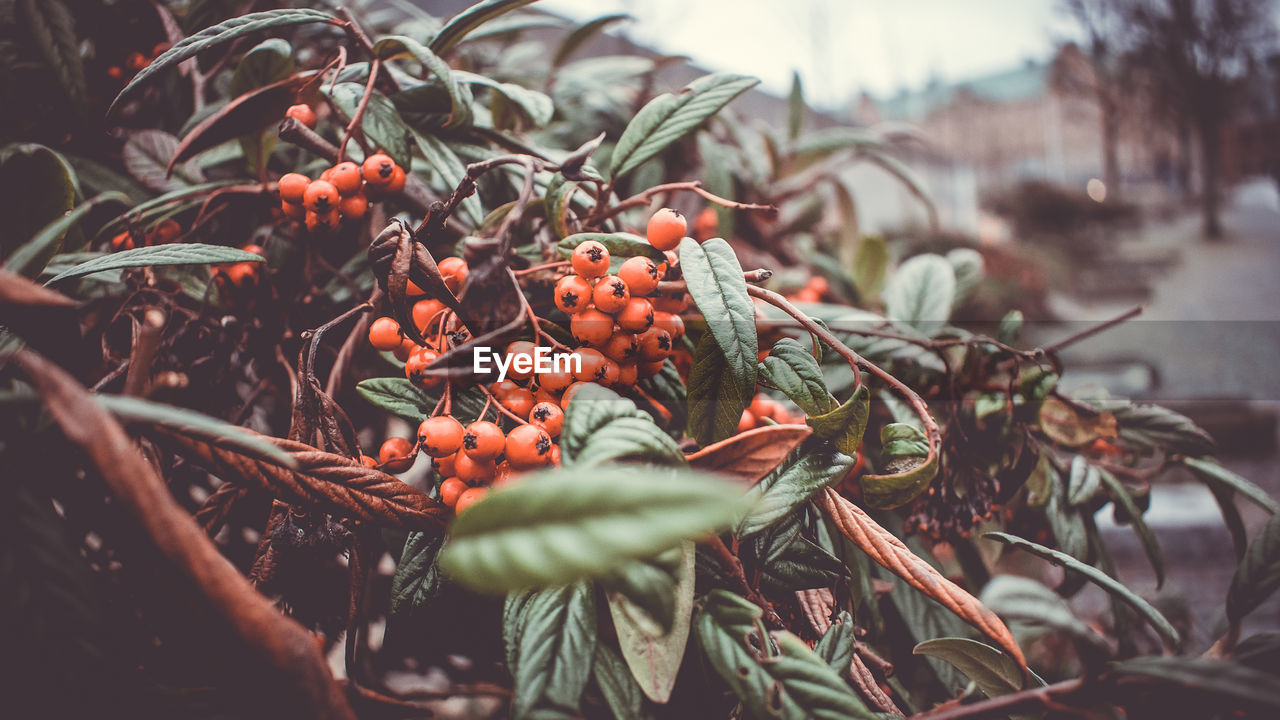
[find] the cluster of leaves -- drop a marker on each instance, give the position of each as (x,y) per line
(674,566)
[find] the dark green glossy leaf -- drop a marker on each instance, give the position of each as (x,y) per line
(563,525)
(147,156)
(1158,427)
(398,46)
(50,26)
(180,254)
(836,645)
(381,124)
(716,398)
(717,287)
(473,17)
(791,368)
(268,62)
(37,191)
(223,32)
(536,107)
(417,578)
(1215,677)
(650,585)
(446,164)
(1259,573)
(1208,470)
(1098,577)
(600,426)
(582,34)
(31,258)
(806,471)
(550,648)
(667,118)
(845,425)
(620,691)
(1150,545)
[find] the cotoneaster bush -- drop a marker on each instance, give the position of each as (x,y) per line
(280,382)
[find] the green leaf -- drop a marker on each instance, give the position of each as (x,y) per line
(1259,573)
(1150,545)
(792,682)
(620,245)
(381,123)
(1083,482)
(190,422)
(601,426)
(1215,475)
(582,34)
(470,19)
(790,368)
(846,424)
(223,32)
(654,655)
(992,671)
(1024,600)
(870,263)
(1101,579)
(267,62)
(398,396)
(417,578)
(32,257)
(179,254)
(147,154)
(1010,327)
(817,143)
(668,389)
(716,398)
(537,107)
(717,178)
(905,450)
(398,46)
(620,691)
(558,198)
(667,118)
(717,287)
(807,470)
(836,645)
(551,648)
(37,191)
(50,26)
(926,619)
(445,163)
(967,265)
(920,293)
(564,525)
(650,585)
(1215,677)
(1158,427)
(795,107)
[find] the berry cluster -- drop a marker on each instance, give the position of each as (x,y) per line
(763,407)
(343,192)
(136,61)
(624,328)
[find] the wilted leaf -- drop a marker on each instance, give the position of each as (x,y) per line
(911,467)
(752,454)
(1070,426)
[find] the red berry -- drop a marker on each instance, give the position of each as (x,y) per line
(451,489)
(640,274)
(377,170)
(528,446)
(591,327)
(384,334)
(572,294)
(483,440)
(549,416)
(440,435)
(469,498)
(610,294)
(590,259)
(636,316)
(666,229)
(303,114)
(395,448)
(292,186)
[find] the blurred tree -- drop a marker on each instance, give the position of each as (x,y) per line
(1103,22)
(1197,52)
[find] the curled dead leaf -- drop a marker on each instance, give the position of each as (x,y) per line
(753,454)
(896,557)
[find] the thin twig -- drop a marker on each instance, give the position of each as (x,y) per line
(147,342)
(694,186)
(358,117)
(1090,332)
(1042,697)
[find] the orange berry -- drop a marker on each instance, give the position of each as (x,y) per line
(818,284)
(570,392)
(502,387)
(242,274)
(320,197)
(136,61)
(303,114)
(395,448)
(398,180)
(353,207)
(413,289)
(407,348)
(610,294)
(469,498)
(640,274)
(483,440)
(589,365)
(293,211)
(115,72)
(377,170)
(672,323)
(649,369)
(473,471)
(440,435)
(521,351)
(345,176)
(572,294)
(160,48)
(590,259)
(450,489)
(541,395)
(415,367)
(122,241)
(444,466)
(165,232)
(384,334)
(323,222)
(454,270)
(610,373)
(519,401)
(654,344)
(621,347)
(666,229)
(628,373)
(555,381)
(549,416)
(747,421)
(292,186)
(424,311)
(636,316)
(368,461)
(673,302)
(591,327)
(528,446)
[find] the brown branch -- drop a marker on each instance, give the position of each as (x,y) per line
(1045,697)
(358,117)
(281,665)
(1090,332)
(734,566)
(146,342)
(694,186)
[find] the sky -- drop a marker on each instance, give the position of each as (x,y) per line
(842,47)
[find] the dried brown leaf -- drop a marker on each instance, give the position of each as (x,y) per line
(753,454)
(889,552)
(282,666)
(322,480)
